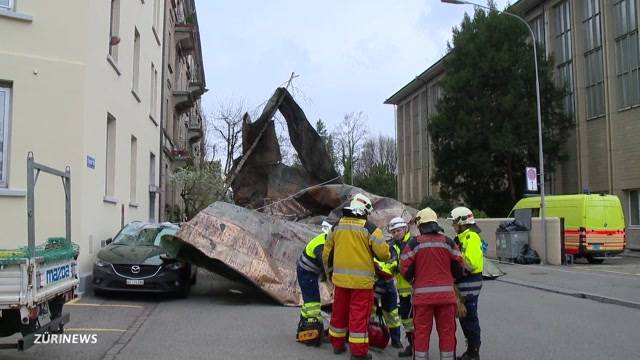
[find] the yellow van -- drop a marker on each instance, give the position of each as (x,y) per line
(593,224)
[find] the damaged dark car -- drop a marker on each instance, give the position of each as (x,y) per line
(133,261)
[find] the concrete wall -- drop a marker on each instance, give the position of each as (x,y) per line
(489,226)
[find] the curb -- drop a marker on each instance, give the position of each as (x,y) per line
(580,295)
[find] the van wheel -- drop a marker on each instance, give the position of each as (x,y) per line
(593,260)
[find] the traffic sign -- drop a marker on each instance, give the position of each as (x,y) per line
(532,179)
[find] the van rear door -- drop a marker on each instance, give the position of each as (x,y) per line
(604,226)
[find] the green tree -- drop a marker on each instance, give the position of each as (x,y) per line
(485,132)
(200,185)
(327,140)
(377,180)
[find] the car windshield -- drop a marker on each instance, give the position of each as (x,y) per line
(143,235)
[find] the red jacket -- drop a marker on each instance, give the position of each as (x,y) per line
(431,262)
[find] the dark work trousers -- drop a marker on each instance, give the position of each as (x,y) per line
(470,287)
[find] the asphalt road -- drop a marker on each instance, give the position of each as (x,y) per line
(225,320)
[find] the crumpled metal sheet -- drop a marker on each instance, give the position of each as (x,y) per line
(244,244)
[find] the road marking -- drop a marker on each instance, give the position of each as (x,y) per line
(579,270)
(73,301)
(94,330)
(107,305)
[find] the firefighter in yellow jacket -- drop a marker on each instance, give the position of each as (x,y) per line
(399,229)
(349,251)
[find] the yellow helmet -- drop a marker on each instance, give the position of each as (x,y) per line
(426,215)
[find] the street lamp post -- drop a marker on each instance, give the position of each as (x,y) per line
(540,151)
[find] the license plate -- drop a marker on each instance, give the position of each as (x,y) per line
(135,282)
(595,246)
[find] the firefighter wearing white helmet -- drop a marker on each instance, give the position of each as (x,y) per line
(399,229)
(470,285)
(349,251)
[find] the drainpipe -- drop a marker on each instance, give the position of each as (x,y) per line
(162,112)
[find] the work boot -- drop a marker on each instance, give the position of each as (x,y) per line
(395,338)
(408,351)
(472,353)
(366,357)
(339,351)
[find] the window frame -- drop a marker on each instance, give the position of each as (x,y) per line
(566,66)
(114,28)
(537,25)
(135,73)
(4,175)
(624,46)
(10,7)
(594,62)
(631,223)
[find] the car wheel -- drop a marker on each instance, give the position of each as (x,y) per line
(185,290)
(593,260)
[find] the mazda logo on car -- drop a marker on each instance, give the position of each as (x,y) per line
(135,269)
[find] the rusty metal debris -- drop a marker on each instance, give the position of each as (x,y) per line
(278,208)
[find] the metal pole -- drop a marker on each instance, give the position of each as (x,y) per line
(31,237)
(67,204)
(540,150)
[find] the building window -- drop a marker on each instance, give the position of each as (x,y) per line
(537,25)
(110,163)
(152,185)
(593,59)
(153,93)
(136,59)
(133,173)
(6,5)
(563,53)
(627,52)
(114,27)
(634,208)
(5,97)
(156,14)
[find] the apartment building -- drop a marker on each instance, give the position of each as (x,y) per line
(80,86)
(596,49)
(183,84)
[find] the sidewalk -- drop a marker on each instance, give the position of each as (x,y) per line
(581,282)
(631,253)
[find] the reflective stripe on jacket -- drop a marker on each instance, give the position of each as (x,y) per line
(431,260)
(404,287)
(350,248)
(311,258)
(471,248)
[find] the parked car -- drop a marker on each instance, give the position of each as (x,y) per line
(593,224)
(134,261)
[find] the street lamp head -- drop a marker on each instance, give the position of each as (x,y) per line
(457,2)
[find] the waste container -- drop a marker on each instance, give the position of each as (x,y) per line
(509,244)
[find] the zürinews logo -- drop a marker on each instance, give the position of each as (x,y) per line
(48,338)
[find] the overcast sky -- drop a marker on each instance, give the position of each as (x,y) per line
(350,55)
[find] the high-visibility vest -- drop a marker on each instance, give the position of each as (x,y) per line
(471,248)
(311,258)
(404,287)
